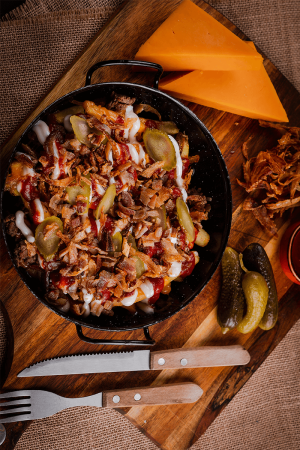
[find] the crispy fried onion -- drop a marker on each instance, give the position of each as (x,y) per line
(272,178)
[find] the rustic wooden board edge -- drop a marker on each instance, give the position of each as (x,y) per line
(20,427)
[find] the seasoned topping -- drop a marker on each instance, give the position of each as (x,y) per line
(105,194)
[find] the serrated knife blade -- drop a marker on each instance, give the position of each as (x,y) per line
(90,363)
(231,355)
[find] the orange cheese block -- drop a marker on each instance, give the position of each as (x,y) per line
(248,93)
(191,39)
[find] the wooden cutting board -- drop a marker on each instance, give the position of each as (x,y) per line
(40,334)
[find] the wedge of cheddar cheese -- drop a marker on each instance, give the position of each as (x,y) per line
(192,39)
(248,93)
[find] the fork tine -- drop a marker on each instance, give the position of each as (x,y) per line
(12,394)
(20,401)
(16,410)
(18,418)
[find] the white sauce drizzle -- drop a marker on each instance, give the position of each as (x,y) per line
(174,240)
(129,114)
(23,227)
(110,157)
(39,207)
(98,225)
(134,154)
(179,179)
(25,154)
(87,298)
(99,189)
(41,129)
(126,133)
(28,171)
(67,123)
(112,180)
(116,230)
(147,288)
(56,171)
(175,269)
(128,301)
(87,310)
(143,305)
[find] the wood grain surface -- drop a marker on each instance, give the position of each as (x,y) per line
(41,334)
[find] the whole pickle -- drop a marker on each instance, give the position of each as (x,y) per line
(256,293)
(256,259)
(231,303)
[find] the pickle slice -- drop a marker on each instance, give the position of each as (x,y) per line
(81,130)
(117,241)
(160,148)
(162,215)
(75,190)
(139,265)
(16,169)
(107,201)
(131,241)
(48,247)
(185,219)
(168,127)
(60,115)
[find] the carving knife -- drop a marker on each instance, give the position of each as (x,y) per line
(232,355)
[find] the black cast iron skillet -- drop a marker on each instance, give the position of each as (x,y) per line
(210,174)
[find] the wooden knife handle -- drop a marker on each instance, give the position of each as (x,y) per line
(230,355)
(161,395)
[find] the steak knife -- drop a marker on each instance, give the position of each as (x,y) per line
(232,355)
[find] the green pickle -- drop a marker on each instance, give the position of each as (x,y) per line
(256,294)
(106,202)
(160,148)
(162,215)
(48,247)
(60,115)
(82,189)
(185,219)
(231,302)
(117,241)
(139,265)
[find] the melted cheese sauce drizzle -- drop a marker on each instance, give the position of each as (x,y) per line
(41,129)
(23,227)
(178,169)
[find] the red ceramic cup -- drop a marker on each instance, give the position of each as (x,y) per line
(290,252)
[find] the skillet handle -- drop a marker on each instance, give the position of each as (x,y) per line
(84,338)
(125,62)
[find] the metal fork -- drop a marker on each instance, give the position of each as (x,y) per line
(37,404)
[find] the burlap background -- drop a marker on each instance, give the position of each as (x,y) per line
(38,41)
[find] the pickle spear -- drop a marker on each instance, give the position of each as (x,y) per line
(256,293)
(185,219)
(231,303)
